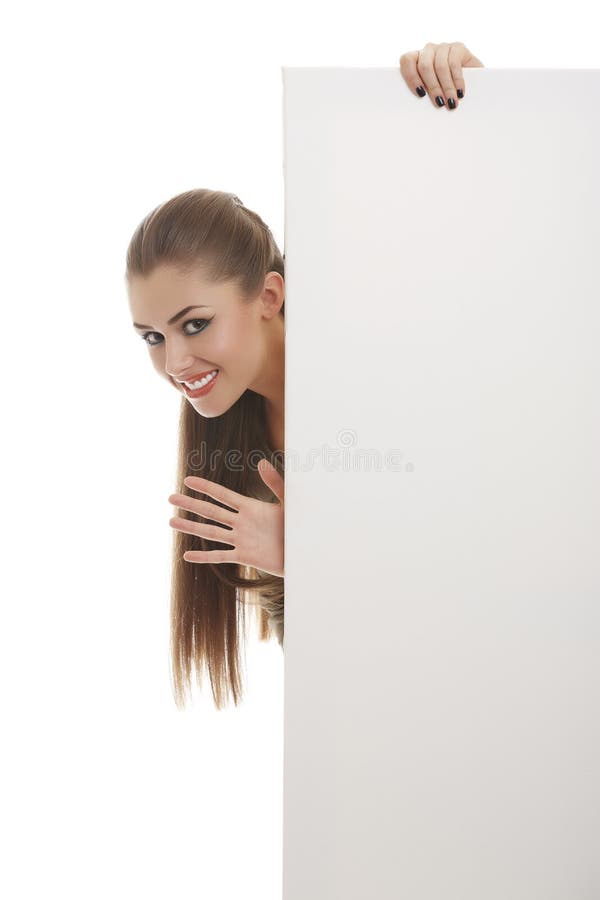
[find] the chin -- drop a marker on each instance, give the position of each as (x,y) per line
(206,414)
(207,407)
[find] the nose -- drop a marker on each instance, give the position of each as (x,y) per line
(178,363)
(185,368)
(178,373)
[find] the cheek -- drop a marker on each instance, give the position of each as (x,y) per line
(158,362)
(230,349)
(238,348)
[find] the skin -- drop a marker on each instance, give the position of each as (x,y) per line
(246,342)
(437,68)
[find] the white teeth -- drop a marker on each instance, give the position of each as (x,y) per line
(198,384)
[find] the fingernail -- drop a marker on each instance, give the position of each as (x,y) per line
(440,101)
(421,92)
(460,94)
(451,102)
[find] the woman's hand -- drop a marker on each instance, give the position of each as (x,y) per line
(438,67)
(255,528)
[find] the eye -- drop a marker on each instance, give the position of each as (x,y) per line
(202,322)
(153,343)
(145,337)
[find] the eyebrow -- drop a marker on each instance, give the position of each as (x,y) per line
(174,318)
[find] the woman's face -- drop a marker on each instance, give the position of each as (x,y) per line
(193,327)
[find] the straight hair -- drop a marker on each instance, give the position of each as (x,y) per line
(212,230)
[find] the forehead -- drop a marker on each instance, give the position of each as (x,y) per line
(166,282)
(168,289)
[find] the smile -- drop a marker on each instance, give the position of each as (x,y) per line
(202,386)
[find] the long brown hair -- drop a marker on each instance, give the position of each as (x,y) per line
(212,229)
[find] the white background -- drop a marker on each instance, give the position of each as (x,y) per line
(107,790)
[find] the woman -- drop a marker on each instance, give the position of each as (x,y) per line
(206,289)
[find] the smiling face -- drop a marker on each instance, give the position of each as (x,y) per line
(193,326)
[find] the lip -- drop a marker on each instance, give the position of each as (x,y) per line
(198,376)
(200,392)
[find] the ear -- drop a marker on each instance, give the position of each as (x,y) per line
(273,294)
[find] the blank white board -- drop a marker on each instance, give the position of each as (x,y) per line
(442,644)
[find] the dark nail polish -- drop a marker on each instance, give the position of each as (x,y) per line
(440,101)
(421,92)
(451,102)
(460,94)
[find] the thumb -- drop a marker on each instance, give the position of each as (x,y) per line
(469,61)
(271,478)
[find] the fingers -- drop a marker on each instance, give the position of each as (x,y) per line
(201,529)
(418,69)
(213,489)
(272,478)
(204,508)
(210,556)
(455,63)
(433,62)
(410,73)
(442,68)
(438,69)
